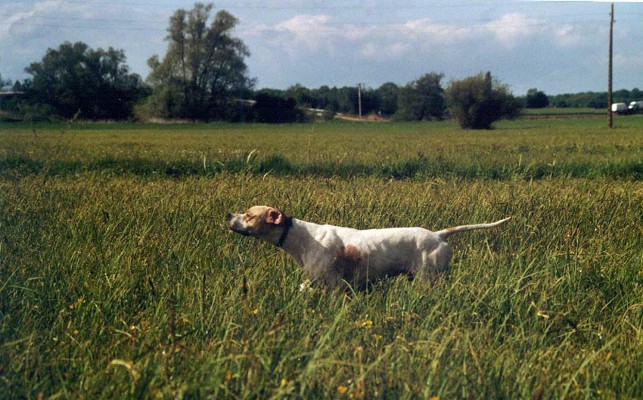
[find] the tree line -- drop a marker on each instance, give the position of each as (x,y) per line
(594,99)
(203,76)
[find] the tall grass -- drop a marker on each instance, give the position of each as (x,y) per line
(532,149)
(120,284)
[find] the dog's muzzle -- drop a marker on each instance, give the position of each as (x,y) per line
(233,225)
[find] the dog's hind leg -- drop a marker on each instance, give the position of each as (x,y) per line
(435,262)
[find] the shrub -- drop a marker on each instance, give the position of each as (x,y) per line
(477,101)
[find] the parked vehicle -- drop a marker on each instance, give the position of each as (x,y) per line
(619,108)
(635,106)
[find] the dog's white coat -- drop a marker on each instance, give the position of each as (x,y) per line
(333,254)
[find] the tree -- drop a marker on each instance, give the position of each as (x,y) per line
(371,101)
(422,99)
(388,98)
(347,100)
(271,107)
(326,99)
(536,99)
(301,95)
(476,102)
(203,69)
(4,84)
(76,78)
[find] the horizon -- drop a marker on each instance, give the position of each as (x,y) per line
(555,47)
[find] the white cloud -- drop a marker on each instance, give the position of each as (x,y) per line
(27,30)
(385,42)
(305,24)
(371,41)
(312,32)
(629,62)
(385,51)
(12,16)
(565,35)
(39,12)
(424,29)
(51,16)
(510,29)
(415,37)
(9,22)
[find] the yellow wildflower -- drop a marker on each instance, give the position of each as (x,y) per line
(367,323)
(230,376)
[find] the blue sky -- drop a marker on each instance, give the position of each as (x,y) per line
(557,46)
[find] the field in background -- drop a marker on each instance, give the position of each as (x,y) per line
(564,112)
(529,149)
(118,278)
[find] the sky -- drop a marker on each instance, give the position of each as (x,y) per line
(554,46)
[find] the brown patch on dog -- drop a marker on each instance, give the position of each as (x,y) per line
(259,219)
(347,263)
(275,217)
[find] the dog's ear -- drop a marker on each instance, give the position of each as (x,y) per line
(275,217)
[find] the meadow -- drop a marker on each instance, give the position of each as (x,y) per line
(118,278)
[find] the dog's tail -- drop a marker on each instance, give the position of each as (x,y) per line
(445,233)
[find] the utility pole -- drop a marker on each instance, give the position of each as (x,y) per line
(359,99)
(610,117)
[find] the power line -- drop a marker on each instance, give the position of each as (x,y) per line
(329,27)
(278,5)
(390,26)
(90,28)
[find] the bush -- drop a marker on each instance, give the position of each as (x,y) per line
(275,109)
(477,101)
(536,99)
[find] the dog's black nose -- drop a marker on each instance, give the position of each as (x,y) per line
(228,217)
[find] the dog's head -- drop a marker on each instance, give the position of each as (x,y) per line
(263,222)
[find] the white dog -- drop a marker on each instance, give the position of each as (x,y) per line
(333,255)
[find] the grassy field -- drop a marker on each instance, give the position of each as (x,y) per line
(565,111)
(118,278)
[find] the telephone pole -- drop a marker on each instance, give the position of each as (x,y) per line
(359,99)
(610,117)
